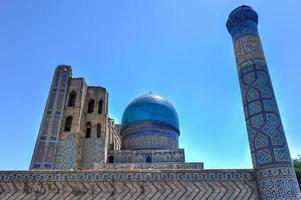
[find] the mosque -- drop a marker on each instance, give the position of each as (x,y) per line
(77,133)
(81,153)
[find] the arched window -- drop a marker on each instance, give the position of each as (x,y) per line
(111,159)
(72,98)
(88,130)
(68,123)
(112,146)
(98,130)
(91,106)
(148,159)
(100,104)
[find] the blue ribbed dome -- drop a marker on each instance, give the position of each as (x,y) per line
(151,107)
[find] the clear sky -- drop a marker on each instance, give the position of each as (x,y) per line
(178,49)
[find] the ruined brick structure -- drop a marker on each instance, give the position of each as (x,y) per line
(76,131)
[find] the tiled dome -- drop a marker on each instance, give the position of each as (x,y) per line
(151,107)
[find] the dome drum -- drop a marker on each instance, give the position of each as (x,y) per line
(149,135)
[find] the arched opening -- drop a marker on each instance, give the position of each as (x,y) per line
(91,106)
(72,98)
(68,123)
(111,159)
(88,130)
(100,104)
(148,159)
(98,130)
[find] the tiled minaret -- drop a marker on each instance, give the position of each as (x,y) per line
(271,158)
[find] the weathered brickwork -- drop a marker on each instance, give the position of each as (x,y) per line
(76,130)
(270,154)
(46,144)
(167,184)
(93,152)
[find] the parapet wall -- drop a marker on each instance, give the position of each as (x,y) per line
(148,166)
(129,184)
(156,156)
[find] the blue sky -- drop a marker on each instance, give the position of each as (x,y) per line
(178,49)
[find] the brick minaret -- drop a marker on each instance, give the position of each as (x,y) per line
(271,158)
(47,140)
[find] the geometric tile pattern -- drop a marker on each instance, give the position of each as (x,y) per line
(66,153)
(149,135)
(265,131)
(200,184)
(140,156)
(277,183)
(93,152)
(242,21)
(128,166)
(269,150)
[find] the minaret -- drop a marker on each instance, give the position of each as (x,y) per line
(47,140)
(271,158)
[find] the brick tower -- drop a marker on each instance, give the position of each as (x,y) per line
(47,140)
(76,130)
(271,158)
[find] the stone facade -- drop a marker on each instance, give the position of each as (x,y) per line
(276,178)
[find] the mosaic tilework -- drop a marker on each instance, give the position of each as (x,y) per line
(132,166)
(66,153)
(139,184)
(247,47)
(129,175)
(276,183)
(149,135)
(269,149)
(139,156)
(242,21)
(93,152)
(266,134)
(151,107)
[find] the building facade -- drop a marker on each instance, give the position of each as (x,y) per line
(76,130)
(81,153)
